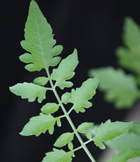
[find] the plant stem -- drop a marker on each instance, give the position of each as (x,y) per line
(69,119)
(70,111)
(78,148)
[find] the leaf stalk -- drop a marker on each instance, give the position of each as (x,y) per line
(69,119)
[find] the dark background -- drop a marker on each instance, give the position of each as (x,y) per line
(94,27)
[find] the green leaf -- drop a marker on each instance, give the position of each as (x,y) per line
(118,87)
(65,71)
(135,128)
(58,122)
(137,80)
(39,124)
(80,96)
(125,155)
(50,108)
(40,80)
(129,56)
(64,139)
(58,156)
(66,97)
(85,127)
(39,41)
(29,91)
(131,35)
(129,59)
(127,144)
(108,131)
(70,146)
(126,141)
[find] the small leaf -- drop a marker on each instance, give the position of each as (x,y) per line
(88,135)
(29,91)
(58,156)
(119,88)
(70,146)
(40,80)
(65,71)
(85,127)
(58,122)
(26,58)
(50,108)
(66,97)
(110,130)
(39,124)
(80,96)
(32,67)
(64,139)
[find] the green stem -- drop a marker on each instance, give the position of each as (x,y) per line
(69,119)
(78,148)
(70,111)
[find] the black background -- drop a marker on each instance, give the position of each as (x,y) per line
(94,27)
